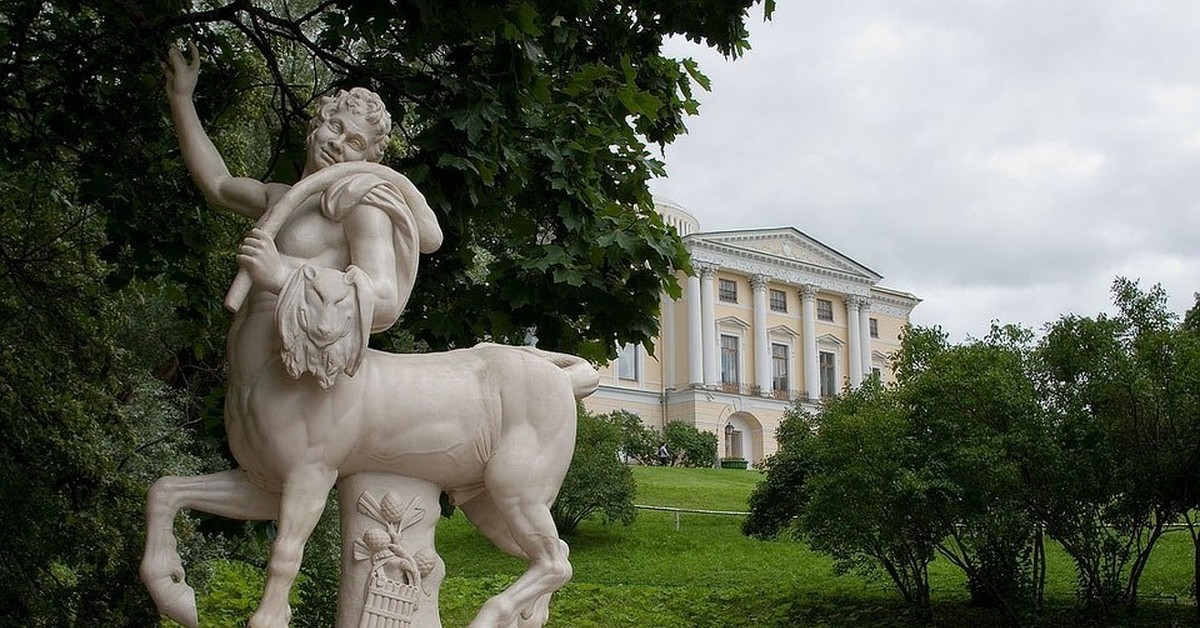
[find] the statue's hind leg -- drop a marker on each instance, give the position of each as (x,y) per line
(482,513)
(548,569)
(523,478)
(228,494)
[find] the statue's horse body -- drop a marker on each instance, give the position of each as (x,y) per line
(493,426)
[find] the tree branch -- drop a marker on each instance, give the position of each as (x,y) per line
(227,13)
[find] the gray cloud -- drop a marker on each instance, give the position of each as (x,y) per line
(1001,160)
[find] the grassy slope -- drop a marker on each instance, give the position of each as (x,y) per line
(708,574)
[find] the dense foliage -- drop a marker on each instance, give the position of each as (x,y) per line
(525,123)
(689,445)
(639,444)
(978,451)
(597,482)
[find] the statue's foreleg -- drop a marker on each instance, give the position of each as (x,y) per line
(228,494)
(303,500)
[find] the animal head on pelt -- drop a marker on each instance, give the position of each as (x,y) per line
(324,318)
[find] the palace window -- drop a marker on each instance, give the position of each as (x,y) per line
(780,379)
(778,300)
(627,362)
(828,374)
(729,360)
(824,310)
(874,327)
(727,290)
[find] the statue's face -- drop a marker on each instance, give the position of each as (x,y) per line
(343,136)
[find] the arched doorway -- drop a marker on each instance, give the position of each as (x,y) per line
(743,438)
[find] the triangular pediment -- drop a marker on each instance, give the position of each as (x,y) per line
(790,245)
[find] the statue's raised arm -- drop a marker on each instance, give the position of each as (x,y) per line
(242,195)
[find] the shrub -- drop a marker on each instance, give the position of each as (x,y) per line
(638,442)
(689,446)
(597,481)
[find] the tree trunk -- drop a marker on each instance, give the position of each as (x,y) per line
(1139,566)
(1191,525)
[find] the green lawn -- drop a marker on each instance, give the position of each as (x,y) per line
(708,574)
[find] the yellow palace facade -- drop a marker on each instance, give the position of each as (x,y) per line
(772,316)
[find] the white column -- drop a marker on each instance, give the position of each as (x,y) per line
(708,325)
(808,322)
(762,350)
(695,348)
(666,342)
(853,327)
(864,333)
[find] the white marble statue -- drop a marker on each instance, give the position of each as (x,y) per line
(333,259)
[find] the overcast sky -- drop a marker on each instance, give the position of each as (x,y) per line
(998,159)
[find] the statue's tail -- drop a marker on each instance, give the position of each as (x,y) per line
(584,377)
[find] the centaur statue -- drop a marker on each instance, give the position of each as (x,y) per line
(332,260)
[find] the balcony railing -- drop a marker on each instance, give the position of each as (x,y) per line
(749,390)
(738,388)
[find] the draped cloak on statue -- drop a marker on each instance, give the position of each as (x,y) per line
(414,227)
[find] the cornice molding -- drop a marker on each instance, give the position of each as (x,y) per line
(893,305)
(792,272)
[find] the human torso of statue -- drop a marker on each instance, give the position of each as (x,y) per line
(307,238)
(258,377)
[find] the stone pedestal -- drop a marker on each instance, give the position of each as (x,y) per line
(390,569)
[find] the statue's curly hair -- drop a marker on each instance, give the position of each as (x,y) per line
(361,102)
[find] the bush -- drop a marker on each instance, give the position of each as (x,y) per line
(690,446)
(597,481)
(638,442)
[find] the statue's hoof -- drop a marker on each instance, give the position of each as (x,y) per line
(178,601)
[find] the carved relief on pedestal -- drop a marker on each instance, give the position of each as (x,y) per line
(394,586)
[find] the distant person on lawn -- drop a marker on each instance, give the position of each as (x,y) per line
(664,455)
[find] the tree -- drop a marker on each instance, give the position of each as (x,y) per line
(975,415)
(1184,370)
(525,123)
(1122,395)
(869,503)
(85,426)
(597,482)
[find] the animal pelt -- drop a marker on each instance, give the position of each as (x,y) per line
(324,320)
